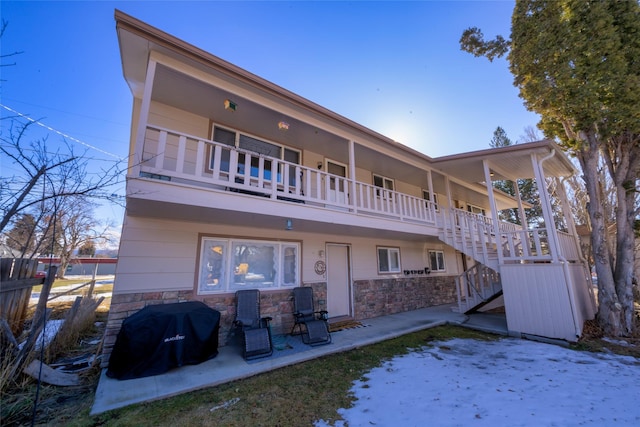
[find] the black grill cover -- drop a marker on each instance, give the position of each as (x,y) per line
(162,337)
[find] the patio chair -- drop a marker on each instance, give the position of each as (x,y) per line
(255,330)
(311,324)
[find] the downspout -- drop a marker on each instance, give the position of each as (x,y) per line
(562,259)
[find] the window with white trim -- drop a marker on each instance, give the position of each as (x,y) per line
(227,265)
(237,139)
(475,209)
(426,195)
(384,183)
(388,260)
(436,261)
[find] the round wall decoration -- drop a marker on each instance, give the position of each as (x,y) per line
(320,267)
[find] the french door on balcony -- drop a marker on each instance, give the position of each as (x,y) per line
(337,186)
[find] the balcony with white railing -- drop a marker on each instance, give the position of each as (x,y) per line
(476,236)
(177,157)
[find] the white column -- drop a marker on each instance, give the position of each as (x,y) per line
(353,201)
(545,202)
(143,118)
(494,209)
(521,214)
(432,209)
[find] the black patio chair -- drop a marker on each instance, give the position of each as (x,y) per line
(255,330)
(311,324)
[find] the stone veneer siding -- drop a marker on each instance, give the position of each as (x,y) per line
(381,297)
(373,298)
(277,304)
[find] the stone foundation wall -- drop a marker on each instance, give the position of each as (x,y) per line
(381,297)
(373,298)
(276,304)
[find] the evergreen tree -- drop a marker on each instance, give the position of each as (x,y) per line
(576,64)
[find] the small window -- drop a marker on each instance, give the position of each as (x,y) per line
(385,184)
(475,209)
(388,260)
(436,260)
(382,182)
(427,196)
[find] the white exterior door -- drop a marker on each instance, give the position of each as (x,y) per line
(337,190)
(338,280)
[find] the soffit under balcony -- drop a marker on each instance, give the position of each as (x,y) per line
(186,93)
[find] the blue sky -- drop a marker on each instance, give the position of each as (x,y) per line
(395,67)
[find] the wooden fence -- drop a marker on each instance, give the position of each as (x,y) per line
(16,281)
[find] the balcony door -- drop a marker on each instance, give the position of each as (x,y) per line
(337,186)
(338,280)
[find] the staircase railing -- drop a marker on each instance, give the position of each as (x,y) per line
(471,234)
(476,286)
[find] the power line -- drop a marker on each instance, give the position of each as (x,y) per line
(64,135)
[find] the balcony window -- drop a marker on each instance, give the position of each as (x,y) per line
(388,260)
(268,149)
(227,137)
(228,265)
(427,196)
(436,261)
(475,210)
(385,183)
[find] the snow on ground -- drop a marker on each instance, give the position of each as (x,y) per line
(509,382)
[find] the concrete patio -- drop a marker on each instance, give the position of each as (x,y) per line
(230,366)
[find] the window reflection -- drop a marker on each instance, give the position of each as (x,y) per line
(254,264)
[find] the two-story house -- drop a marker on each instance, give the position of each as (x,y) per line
(236,183)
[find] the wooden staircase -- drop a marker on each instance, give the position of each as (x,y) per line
(474,235)
(471,234)
(477,287)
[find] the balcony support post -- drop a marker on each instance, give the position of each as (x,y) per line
(351,197)
(144,118)
(545,202)
(495,227)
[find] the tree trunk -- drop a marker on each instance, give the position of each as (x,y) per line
(610,313)
(625,177)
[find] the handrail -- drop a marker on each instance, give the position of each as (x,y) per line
(476,285)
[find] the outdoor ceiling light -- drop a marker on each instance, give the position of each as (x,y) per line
(289,224)
(230,105)
(283,125)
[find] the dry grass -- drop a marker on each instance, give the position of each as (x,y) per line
(18,398)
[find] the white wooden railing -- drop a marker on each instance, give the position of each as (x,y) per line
(476,286)
(476,236)
(472,234)
(569,248)
(179,157)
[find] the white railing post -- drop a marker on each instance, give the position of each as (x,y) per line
(233,165)
(160,149)
(182,148)
(274,178)
(217,162)
(261,172)
(200,160)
